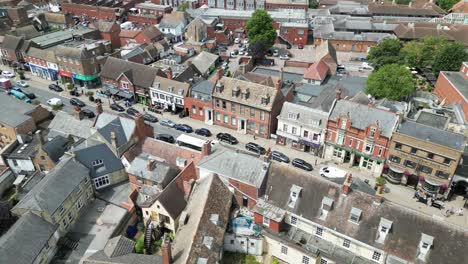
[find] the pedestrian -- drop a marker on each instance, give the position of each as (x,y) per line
(416,194)
(315,162)
(460,211)
(82,92)
(452,210)
(254,137)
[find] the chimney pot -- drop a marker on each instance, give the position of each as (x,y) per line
(150,165)
(114,139)
(279,85)
(166,251)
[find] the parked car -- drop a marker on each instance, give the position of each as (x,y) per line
(332,172)
(8,74)
(237,40)
(17,89)
(276,52)
(55,87)
(54,102)
(88,113)
(166,138)
(203,132)
(117,107)
(184,128)
(22,84)
(278,156)
(302,164)
(30,95)
(125,115)
(300,46)
(254,147)
(241,52)
(245,41)
(132,111)
(288,46)
(150,118)
(167,122)
(77,102)
(228,138)
(225,65)
(284,57)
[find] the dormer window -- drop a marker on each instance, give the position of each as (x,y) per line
(355,215)
(343,124)
(265,99)
(425,245)
(293,116)
(327,204)
(219,88)
(384,228)
(245,94)
(97,162)
(294,195)
(235,91)
(372,132)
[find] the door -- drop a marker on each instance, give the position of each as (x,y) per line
(245,201)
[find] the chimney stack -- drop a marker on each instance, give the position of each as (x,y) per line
(166,250)
(142,128)
(279,85)
(338,94)
(39,137)
(114,139)
(150,165)
(206,149)
(219,73)
(347,184)
(188,185)
(169,73)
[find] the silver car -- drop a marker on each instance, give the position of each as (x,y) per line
(167,122)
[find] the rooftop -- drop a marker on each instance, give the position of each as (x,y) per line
(458,81)
(147,167)
(14,112)
(303,115)
(433,120)
(58,37)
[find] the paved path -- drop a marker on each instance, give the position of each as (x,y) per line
(396,193)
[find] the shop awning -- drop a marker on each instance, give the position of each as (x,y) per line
(125,95)
(396,169)
(84,77)
(308,143)
(110,90)
(433,182)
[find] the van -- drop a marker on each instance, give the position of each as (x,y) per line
(20,95)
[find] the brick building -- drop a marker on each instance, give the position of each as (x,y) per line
(293,33)
(200,103)
(13,49)
(248,108)
(257,4)
(42,63)
(359,135)
(96,10)
(109,30)
(452,88)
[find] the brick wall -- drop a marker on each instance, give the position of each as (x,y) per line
(97,12)
(151,20)
(348,45)
(46,162)
(293,63)
(241,189)
(274,226)
(295,35)
(189,102)
(445,90)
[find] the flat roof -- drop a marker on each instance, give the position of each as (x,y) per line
(280,14)
(61,36)
(458,81)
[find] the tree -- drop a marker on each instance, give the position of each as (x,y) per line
(386,52)
(260,28)
(412,52)
(432,45)
(446,4)
(450,57)
(183,7)
(257,51)
(391,81)
(313,4)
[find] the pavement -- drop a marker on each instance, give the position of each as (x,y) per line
(395,193)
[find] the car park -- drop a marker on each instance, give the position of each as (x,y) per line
(284,57)
(184,128)
(8,74)
(228,138)
(203,132)
(55,87)
(54,102)
(88,113)
(22,84)
(254,147)
(167,123)
(332,172)
(77,102)
(150,118)
(117,107)
(166,138)
(302,164)
(132,111)
(278,156)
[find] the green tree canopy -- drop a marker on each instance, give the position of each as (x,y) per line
(412,52)
(446,4)
(183,7)
(386,52)
(432,45)
(450,57)
(260,28)
(391,81)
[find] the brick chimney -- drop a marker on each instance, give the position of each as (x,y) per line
(114,139)
(77,112)
(219,73)
(168,72)
(278,85)
(141,128)
(281,72)
(347,184)
(166,250)
(338,94)
(206,149)
(150,165)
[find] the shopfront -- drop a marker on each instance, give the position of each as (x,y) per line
(40,71)
(88,81)
(65,77)
(310,147)
(394,174)
(53,74)
(142,99)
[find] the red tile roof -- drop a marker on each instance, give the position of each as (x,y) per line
(317,71)
(129,33)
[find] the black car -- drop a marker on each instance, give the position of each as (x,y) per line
(150,118)
(30,95)
(278,156)
(227,138)
(117,108)
(88,113)
(132,111)
(125,115)
(203,132)
(77,102)
(302,164)
(166,138)
(254,147)
(55,87)
(184,128)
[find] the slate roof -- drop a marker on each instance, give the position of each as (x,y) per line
(25,239)
(152,33)
(14,112)
(164,84)
(50,193)
(431,134)
(56,147)
(104,26)
(27,150)
(141,75)
(403,10)
(172,198)
(204,87)
(362,116)
(307,115)
(91,150)
(204,61)
(12,42)
(122,127)
(287,76)
(317,71)
(405,233)
(458,82)
(47,55)
(433,120)
(172,20)
(119,246)
(64,124)
(207,218)
(235,165)
(160,173)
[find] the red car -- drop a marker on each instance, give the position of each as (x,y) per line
(300,46)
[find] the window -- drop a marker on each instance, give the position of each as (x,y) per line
(397,146)
(252,126)
(343,124)
(305,260)
(300,32)
(232,241)
(162,97)
(97,162)
(252,112)
(430,155)
(447,161)
(217,103)
(394,159)
(262,115)
(164,218)
(323,261)
(15,162)
(293,220)
(125,85)
(337,153)
(294,130)
(380,152)
(306,133)
(194,109)
(372,132)
(350,142)
(285,31)
(262,129)
(241,109)
(218,117)
(41,167)
(319,231)
(233,107)
(64,222)
(346,243)
(442,174)
(62,210)
(410,164)
(414,150)
(376,255)
(200,111)
(70,216)
(293,116)
(285,128)
(101,182)
(315,137)
(233,121)
(340,139)
(425,169)
(226,119)
(266,221)
(224,104)
(368,148)
(284,250)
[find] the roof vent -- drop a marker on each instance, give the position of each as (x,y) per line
(214,218)
(384,228)
(425,245)
(355,215)
(294,195)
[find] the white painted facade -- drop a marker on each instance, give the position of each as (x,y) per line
(170,100)
(243,244)
(17,165)
(176,31)
(154,213)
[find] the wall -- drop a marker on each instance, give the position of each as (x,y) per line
(445,90)
(293,256)
(47,163)
(153,212)
(6,181)
(241,189)
(243,244)
(105,13)
(293,63)
(295,35)
(189,102)
(348,45)
(22,165)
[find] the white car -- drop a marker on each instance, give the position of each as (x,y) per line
(8,74)
(54,102)
(233,54)
(284,57)
(237,40)
(22,84)
(245,41)
(332,172)
(225,65)
(241,52)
